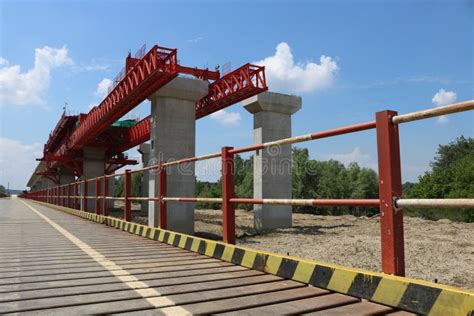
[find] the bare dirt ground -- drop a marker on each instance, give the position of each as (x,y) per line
(440,251)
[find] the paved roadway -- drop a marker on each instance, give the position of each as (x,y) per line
(54,263)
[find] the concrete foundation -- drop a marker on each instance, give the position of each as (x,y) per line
(144,150)
(173,129)
(272,167)
(93,166)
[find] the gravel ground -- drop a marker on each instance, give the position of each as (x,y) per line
(440,251)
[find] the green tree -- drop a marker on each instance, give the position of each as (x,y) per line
(2,189)
(451,176)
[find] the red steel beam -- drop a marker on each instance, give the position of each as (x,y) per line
(234,87)
(228,188)
(154,70)
(390,188)
(127,210)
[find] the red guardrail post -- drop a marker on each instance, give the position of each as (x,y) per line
(105,202)
(127,192)
(228,208)
(162,192)
(63,196)
(84,195)
(97,194)
(76,195)
(69,193)
(390,187)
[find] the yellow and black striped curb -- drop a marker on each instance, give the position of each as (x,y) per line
(404,293)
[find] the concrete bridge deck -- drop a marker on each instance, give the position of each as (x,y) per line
(57,264)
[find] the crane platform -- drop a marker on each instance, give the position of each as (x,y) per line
(55,263)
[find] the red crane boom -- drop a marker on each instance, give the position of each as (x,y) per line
(234,87)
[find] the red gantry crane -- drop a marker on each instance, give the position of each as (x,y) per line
(142,76)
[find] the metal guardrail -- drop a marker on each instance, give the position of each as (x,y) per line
(390,201)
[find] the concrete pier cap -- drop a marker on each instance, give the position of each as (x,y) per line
(173,137)
(272,166)
(273,102)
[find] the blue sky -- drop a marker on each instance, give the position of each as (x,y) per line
(399,55)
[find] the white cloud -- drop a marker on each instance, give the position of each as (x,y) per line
(103,87)
(226,118)
(195,40)
(443,97)
(17,162)
(355,155)
(284,75)
(27,88)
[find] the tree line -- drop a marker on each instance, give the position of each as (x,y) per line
(451,176)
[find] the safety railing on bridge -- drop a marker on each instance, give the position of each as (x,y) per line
(390,201)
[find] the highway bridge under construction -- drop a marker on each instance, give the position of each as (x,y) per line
(63,252)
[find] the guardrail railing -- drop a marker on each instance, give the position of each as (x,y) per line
(390,199)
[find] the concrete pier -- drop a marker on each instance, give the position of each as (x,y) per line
(173,129)
(272,167)
(93,166)
(65,177)
(144,150)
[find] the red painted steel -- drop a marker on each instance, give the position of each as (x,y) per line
(203,74)
(390,187)
(228,207)
(233,87)
(69,194)
(64,198)
(162,192)
(318,135)
(127,193)
(62,129)
(97,196)
(151,72)
(105,202)
(76,195)
(84,195)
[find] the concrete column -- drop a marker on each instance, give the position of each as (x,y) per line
(92,166)
(144,149)
(272,167)
(65,176)
(173,129)
(44,183)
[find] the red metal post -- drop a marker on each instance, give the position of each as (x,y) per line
(390,187)
(97,194)
(162,192)
(84,195)
(228,207)
(105,202)
(69,193)
(76,195)
(128,190)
